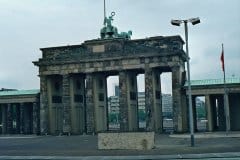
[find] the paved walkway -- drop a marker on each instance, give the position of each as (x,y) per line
(165,145)
(232,134)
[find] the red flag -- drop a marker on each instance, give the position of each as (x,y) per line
(222,59)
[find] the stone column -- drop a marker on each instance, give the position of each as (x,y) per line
(66,104)
(227,112)
(77,96)
(44,121)
(4,119)
(194,109)
(89,104)
(149,99)
(209,113)
(128,101)
(153,101)
(21,118)
(9,119)
(179,107)
(123,101)
(17,119)
(132,100)
(100,102)
(157,94)
(35,118)
(27,118)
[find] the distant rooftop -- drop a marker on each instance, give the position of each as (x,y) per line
(19,92)
(213,82)
(7,89)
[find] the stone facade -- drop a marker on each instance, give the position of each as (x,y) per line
(95,60)
(19,112)
(216,112)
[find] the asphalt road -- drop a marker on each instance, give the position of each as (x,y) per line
(65,146)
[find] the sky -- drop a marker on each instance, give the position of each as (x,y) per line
(27,25)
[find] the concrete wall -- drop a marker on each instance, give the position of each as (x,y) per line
(127,140)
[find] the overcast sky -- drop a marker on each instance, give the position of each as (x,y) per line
(27,25)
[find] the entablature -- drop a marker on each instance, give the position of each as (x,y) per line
(104,50)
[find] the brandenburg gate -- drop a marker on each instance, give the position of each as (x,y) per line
(73,85)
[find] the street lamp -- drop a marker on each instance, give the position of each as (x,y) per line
(178,23)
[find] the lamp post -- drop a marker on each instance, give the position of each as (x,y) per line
(178,23)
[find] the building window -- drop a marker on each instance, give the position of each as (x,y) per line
(56,99)
(101,97)
(78,98)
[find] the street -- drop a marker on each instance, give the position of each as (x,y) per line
(208,145)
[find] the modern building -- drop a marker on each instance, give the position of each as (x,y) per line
(116,90)
(167,105)
(141,101)
(113,104)
(200,108)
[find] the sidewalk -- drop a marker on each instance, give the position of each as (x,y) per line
(207,142)
(231,134)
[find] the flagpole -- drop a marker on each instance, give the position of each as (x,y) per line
(104,10)
(225,94)
(224,78)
